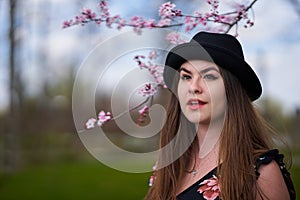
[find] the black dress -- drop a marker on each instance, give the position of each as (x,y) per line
(195,190)
(207,187)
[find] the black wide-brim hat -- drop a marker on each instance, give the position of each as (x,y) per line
(222,49)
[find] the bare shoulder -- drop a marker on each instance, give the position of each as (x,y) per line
(271,182)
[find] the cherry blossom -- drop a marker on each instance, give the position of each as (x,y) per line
(67,23)
(90,123)
(148,90)
(170,17)
(103,117)
(103,9)
(211,20)
(174,38)
(155,70)
(167,10)
(143,114)
(149,23)
(152,55)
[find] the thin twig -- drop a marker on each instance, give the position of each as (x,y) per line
(237,21)
(133,108)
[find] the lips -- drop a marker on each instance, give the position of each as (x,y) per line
(195,104)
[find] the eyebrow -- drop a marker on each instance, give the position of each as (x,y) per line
(208,69)
(201,72)
(185,70)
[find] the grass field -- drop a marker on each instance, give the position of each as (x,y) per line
(88,181)
(295,173)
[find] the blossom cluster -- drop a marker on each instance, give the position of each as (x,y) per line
(102,118)
(167,11)
(169,17)
(148,90)
(174,38)
(155,70)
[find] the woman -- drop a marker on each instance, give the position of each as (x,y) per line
(221,147)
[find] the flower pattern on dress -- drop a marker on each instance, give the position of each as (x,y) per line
(210,188)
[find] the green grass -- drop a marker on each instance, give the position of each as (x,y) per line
(73,181)
(295,174)
(85,180)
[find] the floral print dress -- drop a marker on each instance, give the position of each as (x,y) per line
(207,188)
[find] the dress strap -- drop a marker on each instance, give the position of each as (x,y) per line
(266,158)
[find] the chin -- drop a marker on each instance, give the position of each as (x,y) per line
(198,119)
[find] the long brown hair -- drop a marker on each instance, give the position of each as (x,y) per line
(244,137)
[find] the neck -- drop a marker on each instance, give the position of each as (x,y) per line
(208,137)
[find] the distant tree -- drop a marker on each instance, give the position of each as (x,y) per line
(11,157)
(273,113)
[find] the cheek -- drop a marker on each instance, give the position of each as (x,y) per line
(181,91)
(218,95)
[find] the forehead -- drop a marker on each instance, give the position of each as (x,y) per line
(198,65)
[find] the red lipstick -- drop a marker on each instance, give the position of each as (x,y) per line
(195,104)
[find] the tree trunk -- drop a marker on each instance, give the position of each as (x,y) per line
(11,157)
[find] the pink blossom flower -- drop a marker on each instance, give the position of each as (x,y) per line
(103,4)
(190,23)
(144,110)
(150,23)
(164,22)
(219,18)
(103,8)
(90,123)
(143,114)
(67,23)
(166,10)
(88,13)
(174,38)
(111,20)
(213,3)
(103,117)
(157,73)
(80,19)
(148,90)
(152,55)
(138,23)
(121,23)
(210,188)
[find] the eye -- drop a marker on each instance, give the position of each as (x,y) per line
(185,77)
(210,77)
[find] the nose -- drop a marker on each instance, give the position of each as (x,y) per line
(196,86)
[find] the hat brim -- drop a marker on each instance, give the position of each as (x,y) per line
(224,59)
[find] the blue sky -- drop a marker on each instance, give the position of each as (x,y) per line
(272,46)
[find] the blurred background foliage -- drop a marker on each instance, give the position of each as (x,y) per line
(41,154)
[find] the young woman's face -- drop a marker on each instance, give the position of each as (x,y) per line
(201,91)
